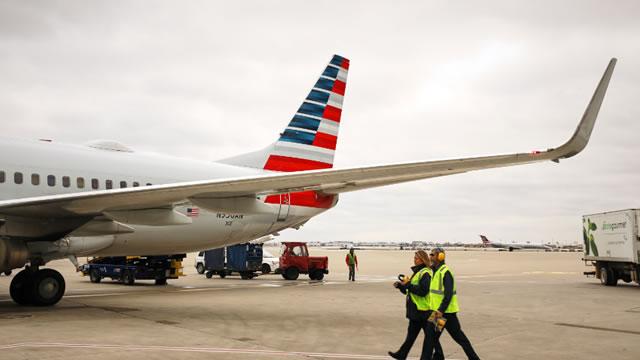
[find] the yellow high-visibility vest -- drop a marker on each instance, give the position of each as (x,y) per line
(422,302)
(436,291)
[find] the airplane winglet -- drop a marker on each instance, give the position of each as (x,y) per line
(582,134)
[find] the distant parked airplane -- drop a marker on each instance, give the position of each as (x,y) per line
(487,243)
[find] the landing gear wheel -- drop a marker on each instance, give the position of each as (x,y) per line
(266,269)
(7,273)
(20,288)
(161,281)
(292,273)
(47,288)
(200,268)
(94,276)
(128,278)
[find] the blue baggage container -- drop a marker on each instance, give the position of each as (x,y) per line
(244,257)
(214,259)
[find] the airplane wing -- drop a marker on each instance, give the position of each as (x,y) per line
(330,181)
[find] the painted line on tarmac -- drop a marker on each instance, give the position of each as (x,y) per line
(199,289)
(191,349)
(599,328)
(518,274)
(85,295)
(96,295)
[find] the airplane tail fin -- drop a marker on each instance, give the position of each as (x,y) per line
(309,141)
(485,241)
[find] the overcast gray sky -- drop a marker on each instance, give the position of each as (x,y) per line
(428,80)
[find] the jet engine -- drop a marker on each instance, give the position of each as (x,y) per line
(13,254)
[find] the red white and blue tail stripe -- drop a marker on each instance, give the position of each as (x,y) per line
(309,142)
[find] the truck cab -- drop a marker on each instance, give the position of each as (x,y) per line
(295,260)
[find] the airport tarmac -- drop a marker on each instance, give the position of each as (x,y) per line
(520,305)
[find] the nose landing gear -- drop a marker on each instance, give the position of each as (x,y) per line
(39,287)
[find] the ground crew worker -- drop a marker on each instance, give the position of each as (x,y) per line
(352,263)
(416,288)
(444,301)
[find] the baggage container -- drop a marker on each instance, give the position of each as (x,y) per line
(245,259)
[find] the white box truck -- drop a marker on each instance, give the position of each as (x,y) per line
(612,245)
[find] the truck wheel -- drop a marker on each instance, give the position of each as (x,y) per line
(245,275)
(292,273)
(94,276)
(318,275)
(209,274)
(128,278)
(607,277)
(200,268)
(161,281)
(284,275)
(7,273)
(603,275)
(266,268)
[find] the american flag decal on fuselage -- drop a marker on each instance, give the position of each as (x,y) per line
(193,212)
(309,142)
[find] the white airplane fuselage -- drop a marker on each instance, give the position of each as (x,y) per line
(240,221)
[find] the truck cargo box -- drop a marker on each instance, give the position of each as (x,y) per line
(612,245)
(612,236)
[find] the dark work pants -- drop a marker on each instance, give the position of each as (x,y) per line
(352,272)
(453,328)
(412,333)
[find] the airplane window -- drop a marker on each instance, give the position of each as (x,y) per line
(108,184)
(66,182)
(136,184)
(95,184)
(17,178)
(51,180)
(123,184)
(148,184)
(35,179)
(1,176)
(80,183)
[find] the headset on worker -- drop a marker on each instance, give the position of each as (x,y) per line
(440,254)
